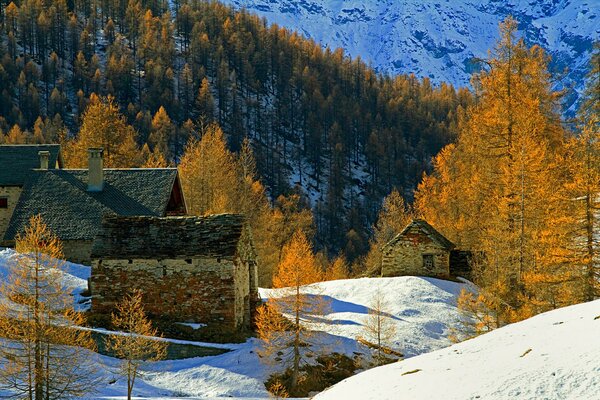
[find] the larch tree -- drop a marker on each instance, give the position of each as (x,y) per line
(395,214)
(282,323)
(499,190)
(338,269)
(136,343)
(205,103)
(43,354)
(215,180)
(379,328)
(208,174)
(163,133)
(153,159)
(103,126)
(583,186)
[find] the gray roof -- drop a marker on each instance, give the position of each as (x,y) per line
(73,213)
(18,161)
(428,230)
(169,237)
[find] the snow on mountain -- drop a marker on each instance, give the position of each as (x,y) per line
(550,356)
(440,39)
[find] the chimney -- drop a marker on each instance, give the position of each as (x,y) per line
(44,159)
(95,173)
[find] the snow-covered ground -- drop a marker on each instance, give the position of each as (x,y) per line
(421,308)
(551,356)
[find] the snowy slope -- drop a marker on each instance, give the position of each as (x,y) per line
(551,356)
(439,38)
(423,310)
(74,276)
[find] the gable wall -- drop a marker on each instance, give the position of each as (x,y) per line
(405,257)
(204,290)
(77,251)
(13,193)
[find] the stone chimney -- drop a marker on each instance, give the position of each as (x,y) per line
(95,172)
(44,159)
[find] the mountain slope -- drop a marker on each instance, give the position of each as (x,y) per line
(440,39)
(550,356)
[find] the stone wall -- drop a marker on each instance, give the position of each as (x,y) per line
(77,251)
(404,256)
(204,290)
(12,193)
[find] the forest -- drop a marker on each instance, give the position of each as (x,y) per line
(321,125)
(327,159)
(263,122)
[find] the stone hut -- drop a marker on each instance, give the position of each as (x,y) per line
(418,250)
(189,269)
(72,202)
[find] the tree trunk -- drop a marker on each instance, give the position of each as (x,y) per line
(296,367)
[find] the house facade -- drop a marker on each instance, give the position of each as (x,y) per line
(189,269)
(72,202)
(421,250)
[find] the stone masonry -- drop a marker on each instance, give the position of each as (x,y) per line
(417,250)
(189,269)
(11,193)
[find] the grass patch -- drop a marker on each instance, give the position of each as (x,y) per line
(414,371)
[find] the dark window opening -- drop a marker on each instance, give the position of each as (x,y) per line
(428,261)
(3,202)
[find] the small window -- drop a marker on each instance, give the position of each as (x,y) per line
(3,202)
(428,262)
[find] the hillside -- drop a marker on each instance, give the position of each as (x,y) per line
(438,39)
(422,310)
(319,122)
(550,356)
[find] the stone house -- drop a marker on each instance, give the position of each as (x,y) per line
(17,165)
(189,269)
(72,202)
(422,251)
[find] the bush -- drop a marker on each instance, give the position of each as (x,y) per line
(328,370)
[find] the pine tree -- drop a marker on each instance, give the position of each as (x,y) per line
(337,270)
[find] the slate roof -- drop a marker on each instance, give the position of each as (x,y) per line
(428,230)
(211,236)
(18,161)
(73,213)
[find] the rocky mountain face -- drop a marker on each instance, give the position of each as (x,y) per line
(442,39)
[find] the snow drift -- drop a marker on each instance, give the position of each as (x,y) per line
(551,356)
